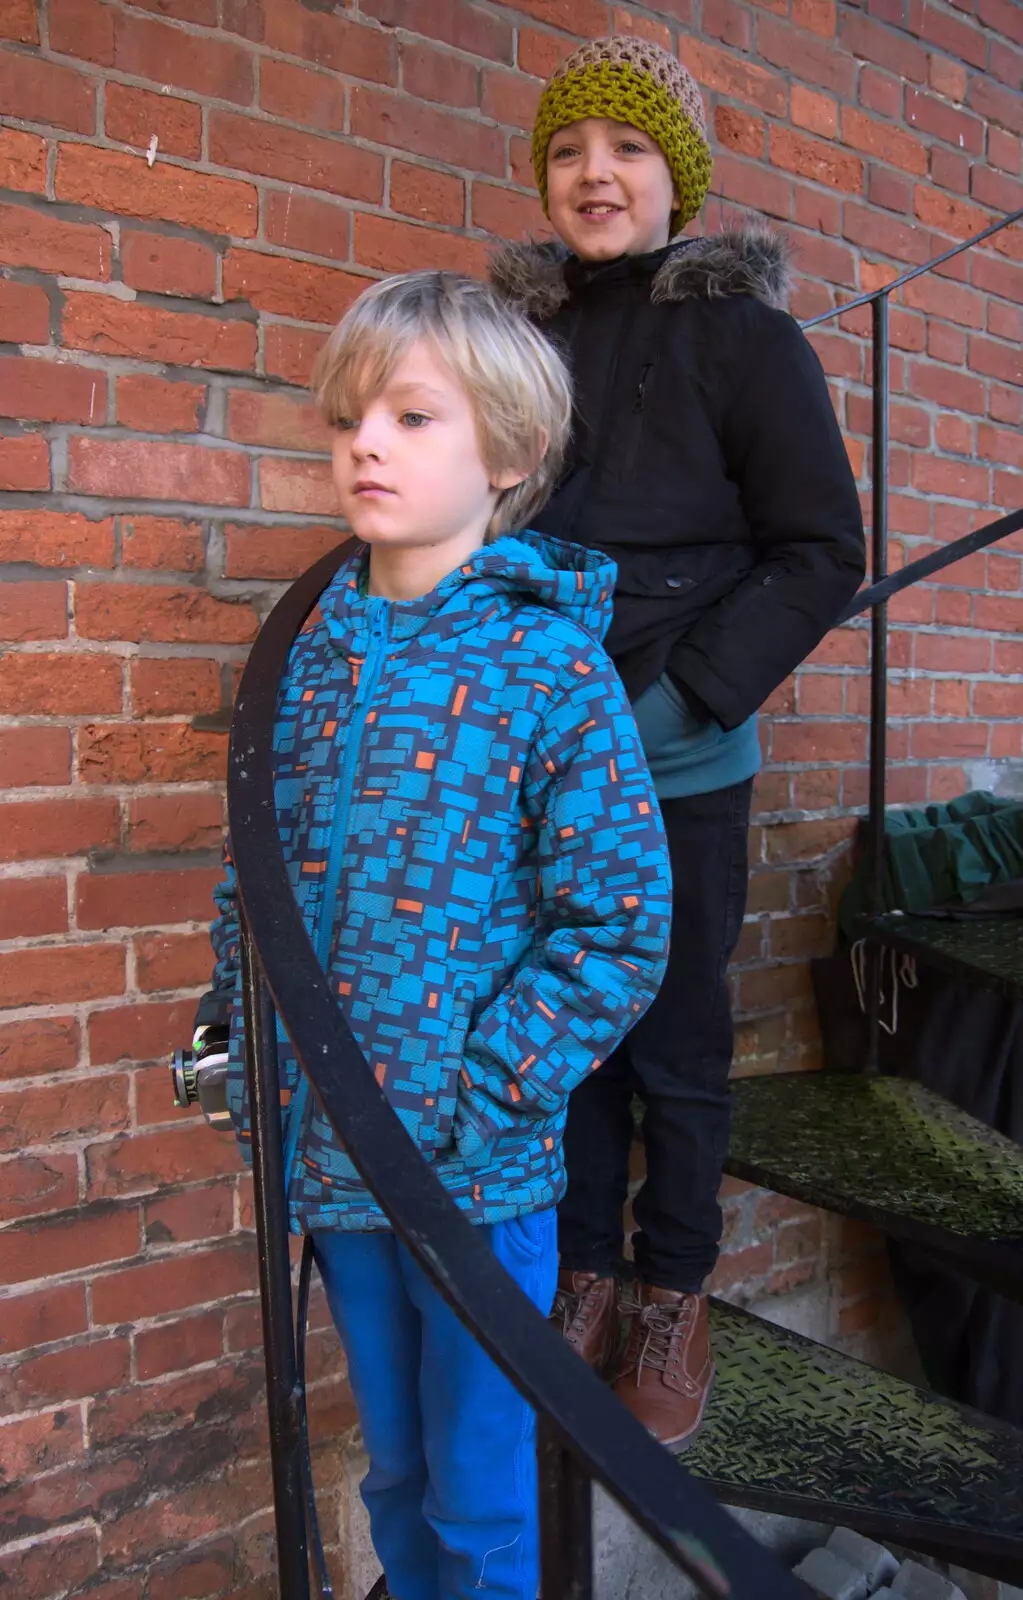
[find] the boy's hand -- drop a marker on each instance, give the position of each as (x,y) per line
(602,919)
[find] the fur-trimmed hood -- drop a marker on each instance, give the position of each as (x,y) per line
(747,258)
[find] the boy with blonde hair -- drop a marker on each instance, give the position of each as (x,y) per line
(472,836)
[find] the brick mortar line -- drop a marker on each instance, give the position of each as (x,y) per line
(122,934)
(81,1011)
(188,788)
(101,141)
(118,433)
(64,1530)
(103,507)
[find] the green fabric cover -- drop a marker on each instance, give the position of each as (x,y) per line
(940,855)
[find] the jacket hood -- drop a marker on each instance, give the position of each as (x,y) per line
(748,258)
(516,569)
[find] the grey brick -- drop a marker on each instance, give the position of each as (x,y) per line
(915,1582)
(877,1563)
(831,1578)
(975,1587)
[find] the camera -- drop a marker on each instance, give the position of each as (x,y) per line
(199,1077)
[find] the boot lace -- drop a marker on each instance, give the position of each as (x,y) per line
(654,1328)
(574,1310)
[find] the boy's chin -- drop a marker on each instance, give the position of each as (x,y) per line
(402,539)
(598,244)
(606,242)
(376,530)
(601,250)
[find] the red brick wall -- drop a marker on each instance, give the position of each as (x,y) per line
(160,474)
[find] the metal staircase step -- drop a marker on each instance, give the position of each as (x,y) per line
(797,1429)
(988,950)
(891,1153)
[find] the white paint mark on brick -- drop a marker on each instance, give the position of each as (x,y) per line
(151,149)
(113,290)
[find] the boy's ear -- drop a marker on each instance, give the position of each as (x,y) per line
(509,477)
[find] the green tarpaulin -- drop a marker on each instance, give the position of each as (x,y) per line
(941,855)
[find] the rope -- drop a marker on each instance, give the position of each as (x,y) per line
(904,973)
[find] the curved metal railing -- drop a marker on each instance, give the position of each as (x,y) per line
(584,1434)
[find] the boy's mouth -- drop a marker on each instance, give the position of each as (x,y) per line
(598,208)
(366,486)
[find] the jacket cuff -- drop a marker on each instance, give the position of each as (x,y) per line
(699,708)
(475,1134)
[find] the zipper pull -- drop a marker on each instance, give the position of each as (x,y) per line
(637,404)
(378,633)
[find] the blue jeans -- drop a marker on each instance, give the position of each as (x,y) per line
(451,1489)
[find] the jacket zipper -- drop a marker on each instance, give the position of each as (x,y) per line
(368,678)
(607,418)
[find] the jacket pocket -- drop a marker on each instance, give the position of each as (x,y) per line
(437,1119)
(654,574)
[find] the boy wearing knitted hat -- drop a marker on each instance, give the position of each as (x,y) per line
(707,462)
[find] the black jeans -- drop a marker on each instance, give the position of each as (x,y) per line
(677,1060)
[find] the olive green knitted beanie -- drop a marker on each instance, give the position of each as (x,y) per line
(631,80)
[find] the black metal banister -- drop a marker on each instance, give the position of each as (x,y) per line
(284,1399)
(888,289)
(578,1411)
(935,561)
(880,355)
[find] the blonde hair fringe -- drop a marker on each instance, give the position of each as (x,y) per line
(517,384)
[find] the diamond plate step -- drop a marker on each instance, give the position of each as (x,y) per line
(891,1153)
(798,1429)
(988,950)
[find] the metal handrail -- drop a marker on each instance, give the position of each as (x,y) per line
(584,1433)
(883,585)
(914,272)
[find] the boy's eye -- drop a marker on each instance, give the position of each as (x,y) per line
(564,150)
(345,424)
(632,147)
(414,419)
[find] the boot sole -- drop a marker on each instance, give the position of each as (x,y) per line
(681,1442)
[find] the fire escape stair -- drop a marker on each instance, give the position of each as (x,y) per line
(798,1429)
(987,950)
(893,1154)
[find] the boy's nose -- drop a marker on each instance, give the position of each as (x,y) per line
(595,167)
(367,443)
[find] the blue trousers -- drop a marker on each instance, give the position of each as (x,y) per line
(451,1489)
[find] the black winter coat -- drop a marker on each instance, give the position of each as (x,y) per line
(705,459)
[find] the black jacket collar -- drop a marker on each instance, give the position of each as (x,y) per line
(751,260)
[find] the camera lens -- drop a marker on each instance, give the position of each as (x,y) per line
(183,1079)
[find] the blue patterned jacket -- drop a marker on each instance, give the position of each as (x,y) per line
(473,838)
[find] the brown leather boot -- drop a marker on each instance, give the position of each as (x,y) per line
(585,1310)
(666,1374)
